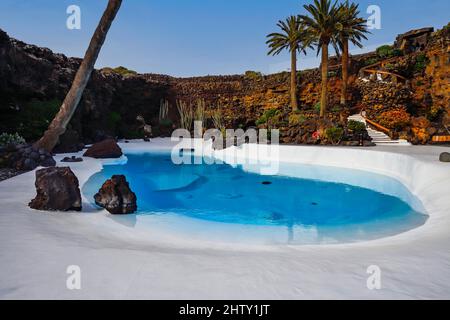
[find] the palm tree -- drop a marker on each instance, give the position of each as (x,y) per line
(59,124)
(322,24)
(293,37)
(350,28)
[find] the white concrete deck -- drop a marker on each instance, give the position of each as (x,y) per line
(120,261)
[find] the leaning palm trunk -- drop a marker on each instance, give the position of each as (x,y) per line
(294,103)
(59,124)
(323,98)
(345,59)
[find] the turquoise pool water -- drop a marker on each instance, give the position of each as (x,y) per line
(337,203)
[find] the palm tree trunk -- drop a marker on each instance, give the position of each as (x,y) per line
(68,107)
(323,98)
(294,103)
(345,58)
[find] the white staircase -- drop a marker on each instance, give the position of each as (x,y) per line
(379,138)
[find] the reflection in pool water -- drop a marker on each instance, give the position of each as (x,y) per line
(313,204)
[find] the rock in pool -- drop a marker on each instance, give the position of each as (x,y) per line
(116,196)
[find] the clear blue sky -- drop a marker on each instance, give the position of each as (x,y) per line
(193,37)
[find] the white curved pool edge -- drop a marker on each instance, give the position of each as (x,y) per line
(427,179)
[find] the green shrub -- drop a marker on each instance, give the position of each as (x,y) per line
(253,75)
(421,63)
(385,51)
(397,53)
(336,109)
(261,121)
(371,61)
(332,74)
(166,122)
(317,107)
(296,119)
(31,120)
(114,119)
(334,134)
(356,126)
(7,139)
(124,71)
(269,114)
(390,67)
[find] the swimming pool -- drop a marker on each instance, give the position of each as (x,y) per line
(310,204)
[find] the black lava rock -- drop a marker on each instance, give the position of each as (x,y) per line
(57,189)
(444,157)
(72,159)
(116,196)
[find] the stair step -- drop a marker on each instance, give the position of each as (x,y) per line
(379,138)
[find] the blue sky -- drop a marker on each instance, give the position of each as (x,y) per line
(194,37)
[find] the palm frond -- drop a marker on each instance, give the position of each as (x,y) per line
(322,22)
(293,37)
(352,27)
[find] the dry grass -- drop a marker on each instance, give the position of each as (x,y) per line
(217,118)
(163,110)
(186,114)
(200,111)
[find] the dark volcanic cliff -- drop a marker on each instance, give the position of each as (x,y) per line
(34,81)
